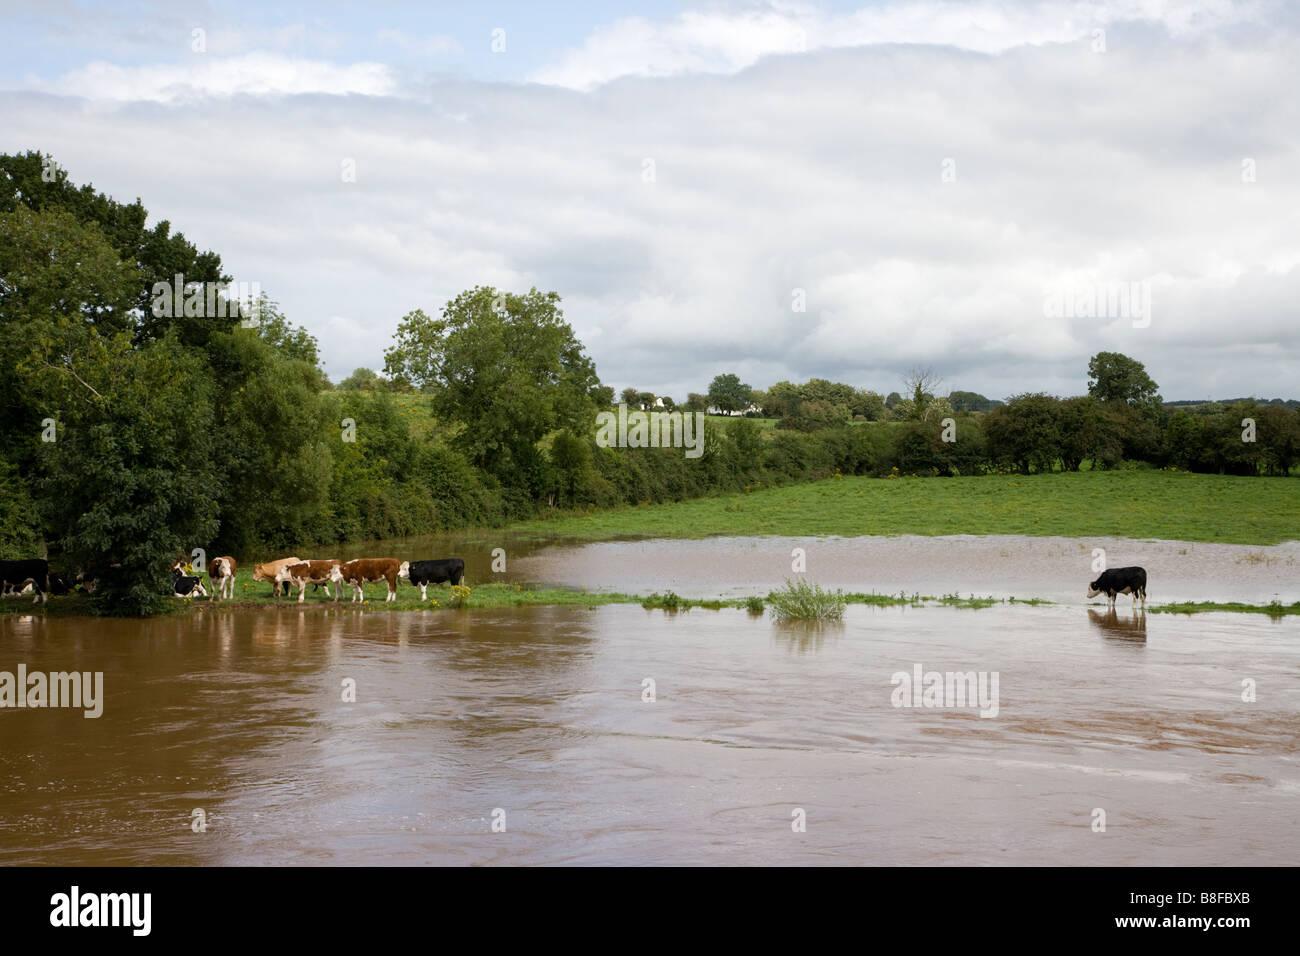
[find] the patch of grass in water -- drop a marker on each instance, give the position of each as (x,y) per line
(1272,609)
(956,600)
(901,599)
(801,601)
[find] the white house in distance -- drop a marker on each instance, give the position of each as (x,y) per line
(711,410)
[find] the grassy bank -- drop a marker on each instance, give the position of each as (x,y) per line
(1135,504)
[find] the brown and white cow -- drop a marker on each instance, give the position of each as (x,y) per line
(364,570)
(222,572)
(309,572)
(268,571)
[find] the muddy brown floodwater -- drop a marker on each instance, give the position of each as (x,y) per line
(1057,569)
(538,718)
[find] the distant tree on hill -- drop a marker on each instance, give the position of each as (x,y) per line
(921,383)
(729,394)
(367,380)
(1114,377)
(870,405)
(971,402)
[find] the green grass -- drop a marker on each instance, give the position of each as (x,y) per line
(1135,504)
(1272,609)
(803,601)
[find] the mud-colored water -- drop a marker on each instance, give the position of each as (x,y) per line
(1056,569)
(539,713)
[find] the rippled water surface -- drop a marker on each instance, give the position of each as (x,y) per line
(540,713)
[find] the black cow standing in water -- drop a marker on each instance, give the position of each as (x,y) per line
(1121,581)
(424,573)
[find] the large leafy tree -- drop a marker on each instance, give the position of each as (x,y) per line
(130,479)
(33,180)
(1025,432)
(1089,432)
(273,440)
(1115,377)
(509,368)
(60,282)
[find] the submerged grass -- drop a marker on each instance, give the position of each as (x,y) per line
(1272,609)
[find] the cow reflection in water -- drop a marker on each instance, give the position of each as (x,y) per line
(1116,627)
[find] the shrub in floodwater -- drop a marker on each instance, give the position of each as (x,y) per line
(668,601)
(801,601)
(754,605)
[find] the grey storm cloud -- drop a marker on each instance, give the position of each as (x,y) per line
(924,200)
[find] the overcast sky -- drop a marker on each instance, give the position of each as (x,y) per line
(924,178)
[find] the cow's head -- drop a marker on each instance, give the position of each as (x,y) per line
(404,570)
(1093,589)
(336,573)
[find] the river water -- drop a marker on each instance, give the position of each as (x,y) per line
(539,720)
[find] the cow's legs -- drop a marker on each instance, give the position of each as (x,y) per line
(392,590)
(302,590)
(424,591)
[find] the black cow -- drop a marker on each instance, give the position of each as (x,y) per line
(185,586)
(424,573)
(1121,581)
(16,575)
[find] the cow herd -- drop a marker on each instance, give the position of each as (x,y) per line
(34,575)
(294,572)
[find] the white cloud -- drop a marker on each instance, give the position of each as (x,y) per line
(209,74)
(726,41)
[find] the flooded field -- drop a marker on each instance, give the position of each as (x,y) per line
(1056,569)
(538,719)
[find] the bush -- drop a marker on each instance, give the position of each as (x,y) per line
(801,601)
